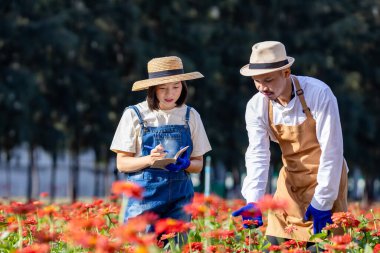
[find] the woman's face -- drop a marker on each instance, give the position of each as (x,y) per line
(168,94)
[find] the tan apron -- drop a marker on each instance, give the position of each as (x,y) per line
(298,177)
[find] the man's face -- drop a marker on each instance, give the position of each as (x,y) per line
(272,85)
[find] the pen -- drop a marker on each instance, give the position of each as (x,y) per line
(150,147)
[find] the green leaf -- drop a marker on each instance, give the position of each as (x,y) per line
(318,236)
(368,249)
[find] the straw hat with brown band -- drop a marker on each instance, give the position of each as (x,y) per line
(165,70)
(266,57)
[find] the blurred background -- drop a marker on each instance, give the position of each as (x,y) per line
(67,68)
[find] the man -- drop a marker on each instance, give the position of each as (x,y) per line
(301,114)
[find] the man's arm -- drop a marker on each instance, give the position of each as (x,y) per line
(257,156)
(329,134)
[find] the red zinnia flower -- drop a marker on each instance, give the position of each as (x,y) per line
(196,210)
(21,208)
(108,210)
(127,188)
(48,210)
(274,248)
(251,223)
(345,219)
(194,247)
(269,203)
(341,239)
(376,249)
(44,236)
(35,248)
(293,244)
(167,236)
(330,227)
(170,225)
(296,251)
(44,194)
(290,229)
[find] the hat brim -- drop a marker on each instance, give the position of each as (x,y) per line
(145,84)
(246,71)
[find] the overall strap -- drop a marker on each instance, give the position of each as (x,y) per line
(187,117)
(299,93)
(141,121)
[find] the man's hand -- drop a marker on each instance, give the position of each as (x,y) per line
(250,212)
(320,218)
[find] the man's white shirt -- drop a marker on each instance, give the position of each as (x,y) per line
(324,109)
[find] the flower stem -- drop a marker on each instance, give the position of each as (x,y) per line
(123,207)
(19,222)
(374,219)
(249,239)
(51,223)
(171,243)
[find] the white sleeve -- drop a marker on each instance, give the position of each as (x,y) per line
(127,132)
(201,144)
(257,156)
(329,134)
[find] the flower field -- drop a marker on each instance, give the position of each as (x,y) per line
(98,227)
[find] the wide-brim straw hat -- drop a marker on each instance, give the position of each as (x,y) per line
(165,70)
(266,57)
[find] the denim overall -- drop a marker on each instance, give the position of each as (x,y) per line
(165,192)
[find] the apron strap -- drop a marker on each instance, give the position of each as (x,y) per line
(299,93)
(141,121)
(270,119)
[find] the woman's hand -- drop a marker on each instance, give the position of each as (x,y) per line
(127,162)
(156,153)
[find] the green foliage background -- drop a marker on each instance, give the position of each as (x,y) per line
(66,67)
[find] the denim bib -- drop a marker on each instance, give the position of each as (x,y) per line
(165,192)
(171,137)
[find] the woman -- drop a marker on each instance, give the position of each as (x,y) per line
(158,128)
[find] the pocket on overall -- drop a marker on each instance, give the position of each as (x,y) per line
(137,178)
(170,141)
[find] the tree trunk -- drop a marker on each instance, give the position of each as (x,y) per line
(368,195)
(31,174)
(74,176)
(106,172)
(35,175)
(96,179)
(8,183)
(53,178)
(107,187)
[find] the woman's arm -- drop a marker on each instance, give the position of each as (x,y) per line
(126,162)
(196,164)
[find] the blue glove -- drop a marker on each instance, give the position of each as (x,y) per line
(250,212)
(182,163)
(320,218)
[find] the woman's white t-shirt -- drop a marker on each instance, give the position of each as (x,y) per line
(127,137)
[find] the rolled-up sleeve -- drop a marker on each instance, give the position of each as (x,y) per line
(201,144)
(125,138)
